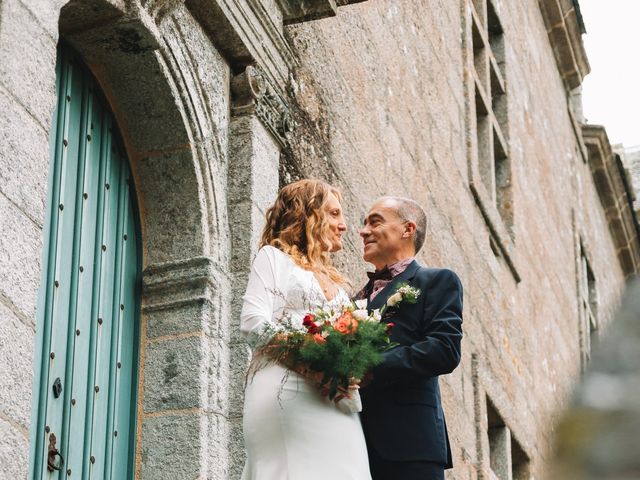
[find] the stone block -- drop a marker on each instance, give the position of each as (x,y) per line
(152,111)
(173,373)
(16,367)
(247,223)
(216,362)
(185,447)
(78,14)
(237,452)
(238,376)
(14,451)
(20,252)
(207,69)
(254,161)
(24,158)
(177,318)
(253,185)
(171,447)
(28,55)
(215,453)
(171,191)
(55,15)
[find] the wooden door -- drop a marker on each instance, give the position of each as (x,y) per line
(88,311)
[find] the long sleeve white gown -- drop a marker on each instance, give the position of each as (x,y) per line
(291,432)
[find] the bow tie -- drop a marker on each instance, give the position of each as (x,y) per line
(384,274)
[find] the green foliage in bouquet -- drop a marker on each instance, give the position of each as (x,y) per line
(344,350)
(342,344)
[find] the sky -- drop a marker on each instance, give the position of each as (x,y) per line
(611,92)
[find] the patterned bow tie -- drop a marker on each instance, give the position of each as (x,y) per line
(384,274)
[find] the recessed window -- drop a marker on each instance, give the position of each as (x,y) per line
(507,458)
(588,305)
(491,112)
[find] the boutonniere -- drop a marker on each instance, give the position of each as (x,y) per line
(404,293)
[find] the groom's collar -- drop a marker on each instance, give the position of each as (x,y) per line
(390,271)
(398,267)
(406,276)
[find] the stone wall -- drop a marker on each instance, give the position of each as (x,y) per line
(206,93)
(631,157)
(26,97)
(384,90)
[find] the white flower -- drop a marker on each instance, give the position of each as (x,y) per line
(361,304)
(375,315)
(394,299)
(360,315)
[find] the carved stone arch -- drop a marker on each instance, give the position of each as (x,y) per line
(169,90)
(147,78)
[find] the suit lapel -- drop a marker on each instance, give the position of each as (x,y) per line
(386,292)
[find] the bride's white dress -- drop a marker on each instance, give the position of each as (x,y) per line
(291,432)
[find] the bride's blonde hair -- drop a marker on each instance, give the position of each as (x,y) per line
(297,225)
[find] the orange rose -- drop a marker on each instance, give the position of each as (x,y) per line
(346,323)
(318,338)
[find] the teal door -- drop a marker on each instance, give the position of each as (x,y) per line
(87,327)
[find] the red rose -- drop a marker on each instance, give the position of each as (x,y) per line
(390,325)
(308,322)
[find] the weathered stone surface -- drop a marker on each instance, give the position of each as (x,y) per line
(199,441)
(20,251)
(14,451)
(217,459)
(175,319)
(296,11)
(612,185)
(186,296)
(173,371)
(216,364)
(236,448)
(24,145)
(171,175)
(207,73)
(171,447)
(75,13)
(240,356)
(16,367)
(373,129)
(29,76)
(253,183)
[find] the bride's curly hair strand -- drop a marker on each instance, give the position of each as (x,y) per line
(297,225)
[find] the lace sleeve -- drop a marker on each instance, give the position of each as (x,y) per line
(264,300)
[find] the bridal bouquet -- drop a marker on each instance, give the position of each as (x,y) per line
(341,343)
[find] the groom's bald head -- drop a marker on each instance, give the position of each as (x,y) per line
(409,211)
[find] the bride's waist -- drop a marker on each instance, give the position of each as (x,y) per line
(263,365)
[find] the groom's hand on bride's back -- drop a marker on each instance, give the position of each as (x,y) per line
(367,379)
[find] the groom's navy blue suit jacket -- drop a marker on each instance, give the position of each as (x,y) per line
(402,413)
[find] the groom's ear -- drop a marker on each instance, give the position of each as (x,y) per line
(409,229)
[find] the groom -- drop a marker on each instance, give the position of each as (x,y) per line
(402,415)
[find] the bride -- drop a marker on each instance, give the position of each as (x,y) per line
(291,430)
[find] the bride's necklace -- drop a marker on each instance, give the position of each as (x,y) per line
(325,278)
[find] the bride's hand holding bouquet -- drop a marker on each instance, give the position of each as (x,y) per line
(337,345)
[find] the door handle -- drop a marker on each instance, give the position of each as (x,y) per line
(52,451)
